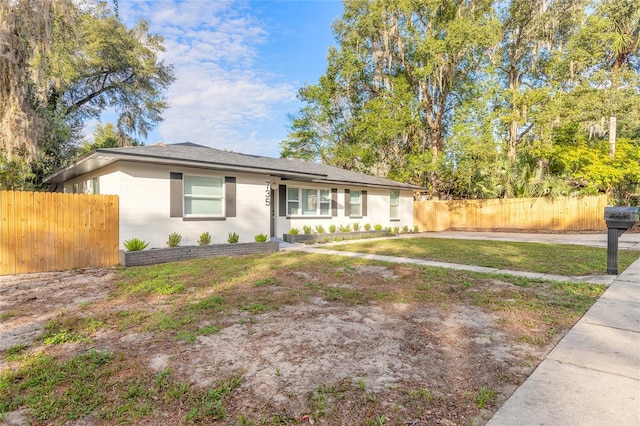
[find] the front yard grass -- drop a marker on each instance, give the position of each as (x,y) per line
(103,374)
(561,259)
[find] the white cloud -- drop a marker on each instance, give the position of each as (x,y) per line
(222,96)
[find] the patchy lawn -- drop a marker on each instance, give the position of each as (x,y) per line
(289,338)
(562,259)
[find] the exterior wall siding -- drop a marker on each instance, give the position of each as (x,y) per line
(378,210)
(144,192)
(144,204)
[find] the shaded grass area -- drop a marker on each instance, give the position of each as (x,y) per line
(92,384)
(561,259)
(61,376)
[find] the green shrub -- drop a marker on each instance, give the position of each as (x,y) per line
(319,229)
(396,229)
(306,229)
(356,226)
(416,229)
(344,228)
(405,229)
(367,227)
(332,228)
(377,227)
(135,244)
(205,239)
(174,239)
(261,238)
(233,238)
(294,231)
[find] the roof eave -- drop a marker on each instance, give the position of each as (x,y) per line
(98,159)
(391,185)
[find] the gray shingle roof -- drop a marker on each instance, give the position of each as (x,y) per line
(189,154)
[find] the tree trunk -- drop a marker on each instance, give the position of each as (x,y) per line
(435,187)
(513,140)
(515,113)
(613,135)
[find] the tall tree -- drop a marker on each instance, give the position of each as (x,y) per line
(26,35)
(532,31)
(65,61)
(602,69)
(391,86)
(619,22)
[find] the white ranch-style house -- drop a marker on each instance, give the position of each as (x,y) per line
(191,189)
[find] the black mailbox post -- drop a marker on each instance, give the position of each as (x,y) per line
(618,219)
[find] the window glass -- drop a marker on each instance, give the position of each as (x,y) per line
(309,201)
(203,196)
(200,185)
(293,204)
(95,186)
(325,202)
(356,203)
(394,212)
(200,206)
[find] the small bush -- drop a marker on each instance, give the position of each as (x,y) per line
(294,231)
(396,229)
(319,229)
(377,227)
(233,238)
(344,228)
(332,228)
(261,238)
(306,229)
(205,239)
(135,244)
(416,229)
(174,239)
(405,229)
(356,226)
(367,227)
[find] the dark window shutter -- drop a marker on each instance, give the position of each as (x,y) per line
(347,202)
(230,196)
(334,202)
(282,200)
(175,194)
(364,203)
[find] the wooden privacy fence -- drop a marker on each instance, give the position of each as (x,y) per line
(48,231)
(533,214)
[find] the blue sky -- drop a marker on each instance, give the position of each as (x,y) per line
(239,65)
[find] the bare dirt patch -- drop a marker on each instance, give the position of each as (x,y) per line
(29,301)
(399,358)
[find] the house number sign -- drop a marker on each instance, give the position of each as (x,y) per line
(267,194)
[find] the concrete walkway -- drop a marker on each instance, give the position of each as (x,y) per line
(592,376)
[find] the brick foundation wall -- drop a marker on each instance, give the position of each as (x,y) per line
(173,254)
(337,236)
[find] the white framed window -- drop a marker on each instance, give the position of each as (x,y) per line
(308,202)
(293,201)
(394,205)
(95,186)
(203,196)
(355,203)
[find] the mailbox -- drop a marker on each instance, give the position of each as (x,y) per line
(621,217)
(618,219)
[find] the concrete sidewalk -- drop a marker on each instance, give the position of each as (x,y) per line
(592,376)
